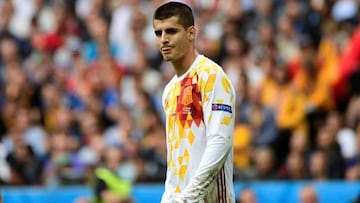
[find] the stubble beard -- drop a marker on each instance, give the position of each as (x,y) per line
(167,58)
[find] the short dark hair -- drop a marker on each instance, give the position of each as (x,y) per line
(181,10)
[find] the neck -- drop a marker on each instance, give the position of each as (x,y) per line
(183,64)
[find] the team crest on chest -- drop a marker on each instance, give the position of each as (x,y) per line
(188,107)
(187,96)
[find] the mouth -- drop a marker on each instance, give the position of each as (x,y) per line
(166,50)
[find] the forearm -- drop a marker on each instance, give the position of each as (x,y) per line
(213,160)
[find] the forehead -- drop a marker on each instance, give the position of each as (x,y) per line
(172,22)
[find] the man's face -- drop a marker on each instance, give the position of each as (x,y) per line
(172,38)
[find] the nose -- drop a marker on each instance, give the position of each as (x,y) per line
(164,38)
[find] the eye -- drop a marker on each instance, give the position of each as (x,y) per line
(171,31)
(158,33)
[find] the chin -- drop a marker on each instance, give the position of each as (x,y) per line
(166,58)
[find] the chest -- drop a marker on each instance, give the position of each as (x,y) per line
(184,100)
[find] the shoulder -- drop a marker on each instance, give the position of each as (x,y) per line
(211,75)
(210,70)
(206,65)
(170,84)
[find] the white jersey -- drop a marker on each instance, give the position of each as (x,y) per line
(199,107)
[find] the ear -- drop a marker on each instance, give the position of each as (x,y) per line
(191,33)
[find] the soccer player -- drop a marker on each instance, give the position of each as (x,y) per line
(199,102)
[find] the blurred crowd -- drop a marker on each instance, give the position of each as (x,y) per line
(81,84)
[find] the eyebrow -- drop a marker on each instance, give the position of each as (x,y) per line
(168,31)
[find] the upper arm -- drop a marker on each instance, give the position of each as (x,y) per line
(219,103)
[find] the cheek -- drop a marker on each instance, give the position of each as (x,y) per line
(158,43)
(183,45)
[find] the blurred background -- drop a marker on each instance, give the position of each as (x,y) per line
(81,84)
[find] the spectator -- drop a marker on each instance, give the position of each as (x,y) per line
(133,167)
(356,200)
(153,151)
(242,152)
(109,186)
(352,171)
(307,194)
(247,195)
(306,79)
(258,118)
(318,166)
(264,164)
(62,164)
(288,107)
(90,156)
(5,172)
(287,39)
(294,167)
(326,143)
(299,143)
(119,133)
(352,115)
(25,167)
